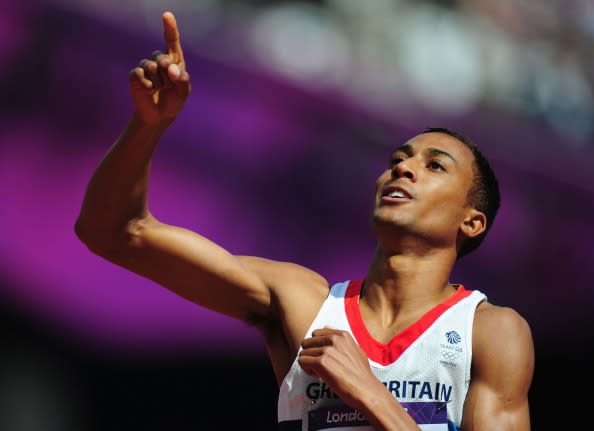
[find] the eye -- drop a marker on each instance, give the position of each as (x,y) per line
(395,161)
(435,165)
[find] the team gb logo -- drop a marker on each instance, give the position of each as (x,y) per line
(453,337)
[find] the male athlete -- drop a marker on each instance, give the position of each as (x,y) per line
(402,349)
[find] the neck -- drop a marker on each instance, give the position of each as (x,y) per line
(397,281)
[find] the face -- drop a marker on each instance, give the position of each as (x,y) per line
(424,189)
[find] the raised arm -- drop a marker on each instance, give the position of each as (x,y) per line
(503,367)
(116,223)
(117,193)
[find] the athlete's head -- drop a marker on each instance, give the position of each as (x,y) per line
(440,187)
(484,192)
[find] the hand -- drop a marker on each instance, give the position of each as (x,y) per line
(161,85)
(334,356)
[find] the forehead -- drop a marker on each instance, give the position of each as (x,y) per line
(435,142)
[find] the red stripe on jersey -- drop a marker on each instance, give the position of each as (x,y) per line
(386,354)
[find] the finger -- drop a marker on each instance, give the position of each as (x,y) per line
(163,62)
(156,54)
(151,72)
(183,87)
(311,372)
(172,38)
(317,341)
(310,366)
(174,72)
(138,79)
(311,352)
(326,330)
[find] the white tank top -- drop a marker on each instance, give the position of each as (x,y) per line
(426,366)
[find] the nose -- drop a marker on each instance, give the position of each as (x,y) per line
(404,169)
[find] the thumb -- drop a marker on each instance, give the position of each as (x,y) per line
(180,79)
(174,72)
(178,75)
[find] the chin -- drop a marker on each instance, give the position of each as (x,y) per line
(382,222)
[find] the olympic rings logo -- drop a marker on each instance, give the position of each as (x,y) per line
(450,356)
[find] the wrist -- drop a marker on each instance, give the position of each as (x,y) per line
(384,412)
(157,124)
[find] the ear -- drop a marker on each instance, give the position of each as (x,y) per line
(474,224)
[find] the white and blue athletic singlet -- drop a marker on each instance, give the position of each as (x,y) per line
(426,366)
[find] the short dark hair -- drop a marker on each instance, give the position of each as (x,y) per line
(484,193)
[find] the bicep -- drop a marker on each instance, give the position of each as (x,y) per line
(502,370)
(193,267)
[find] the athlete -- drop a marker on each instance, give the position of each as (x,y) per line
(400,349)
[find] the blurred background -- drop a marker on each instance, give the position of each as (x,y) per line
(296,106)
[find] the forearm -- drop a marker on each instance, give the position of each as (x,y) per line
(117,191)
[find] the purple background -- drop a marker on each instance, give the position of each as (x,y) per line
(265,163)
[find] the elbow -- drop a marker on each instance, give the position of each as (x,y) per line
(79,230)
(82,232)
(100,242)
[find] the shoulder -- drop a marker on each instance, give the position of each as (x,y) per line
(280,276)
(501,333)
(493,319)
(293,288)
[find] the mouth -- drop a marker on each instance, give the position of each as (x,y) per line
(395,194)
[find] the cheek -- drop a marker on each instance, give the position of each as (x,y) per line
(451,209)
(382,179)
(447,207)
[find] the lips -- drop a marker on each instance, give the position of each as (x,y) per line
(395,193)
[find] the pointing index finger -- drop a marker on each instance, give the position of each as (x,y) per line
(172,38)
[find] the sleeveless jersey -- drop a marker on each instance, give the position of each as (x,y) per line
(426,367)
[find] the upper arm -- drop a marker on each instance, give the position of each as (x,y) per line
(199,270)
(502,370)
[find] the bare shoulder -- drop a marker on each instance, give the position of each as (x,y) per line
(501,333)
(278,275)
(493,321)
(296,292)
